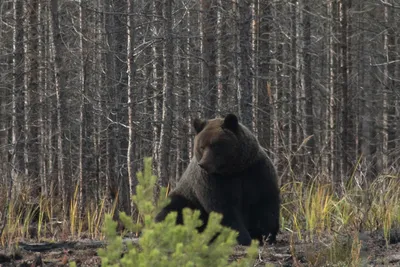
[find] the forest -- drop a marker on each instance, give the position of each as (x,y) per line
(89,88)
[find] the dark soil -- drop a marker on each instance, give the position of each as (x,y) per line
(323,250)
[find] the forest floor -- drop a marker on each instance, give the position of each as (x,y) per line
(365,249)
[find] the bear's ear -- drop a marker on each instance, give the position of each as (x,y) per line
(198,125)
(231,122)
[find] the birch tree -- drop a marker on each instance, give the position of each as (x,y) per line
(130,28)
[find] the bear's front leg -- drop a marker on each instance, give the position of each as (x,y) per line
(233,218)
(178,203)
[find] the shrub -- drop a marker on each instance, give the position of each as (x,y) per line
(165,243)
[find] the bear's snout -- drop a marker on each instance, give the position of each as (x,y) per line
(208,167)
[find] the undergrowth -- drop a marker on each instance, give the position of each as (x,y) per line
(309,212)
(40,219)
(166,244)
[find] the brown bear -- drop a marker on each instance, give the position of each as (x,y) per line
(230,173)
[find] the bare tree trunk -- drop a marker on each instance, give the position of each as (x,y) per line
(245,69)
(101,178)
(168,85)
(390,83)
(49,115)
(220,47)
(112,182)
(4,100)
(365,115)
(59,87)
(181,100)
(253,70)
(396,155)
(210,92)
(157,81)
(42,79)
(116,71)
(397,116)
(264,91)
(321,101)
(293,86)
(335,95)
(130,26)
(202,68)
(235,51)
(7,119)
(348,149)
(188,76)
(382,107)
(309,111)
(82,115)
(31,95)
(17,93)
(277,106)
(226,38)
(144,111)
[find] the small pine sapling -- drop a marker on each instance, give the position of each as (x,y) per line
(166,244)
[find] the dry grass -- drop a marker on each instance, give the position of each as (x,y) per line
(315,208)
(309,212)
(41,219)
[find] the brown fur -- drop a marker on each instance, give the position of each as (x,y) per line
(230,173)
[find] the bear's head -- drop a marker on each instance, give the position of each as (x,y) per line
(223,145)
